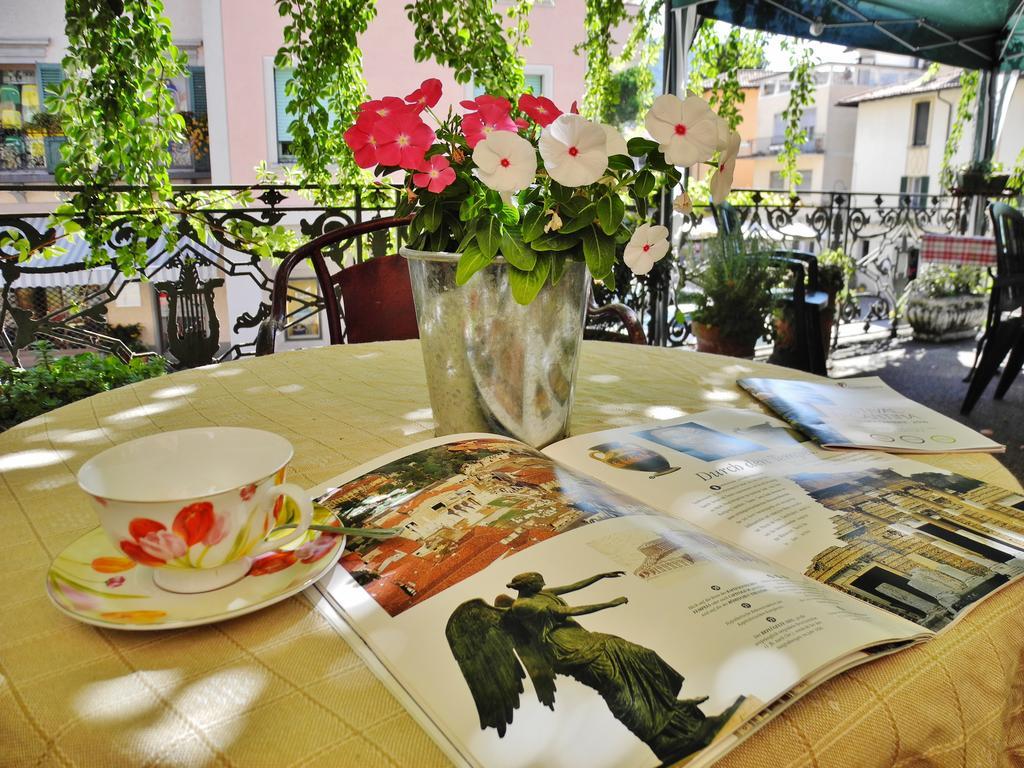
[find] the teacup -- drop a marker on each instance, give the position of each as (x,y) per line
(196,505)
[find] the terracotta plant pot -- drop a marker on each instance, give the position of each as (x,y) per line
(710,339)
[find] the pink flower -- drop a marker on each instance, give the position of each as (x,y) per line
(163,545)
(114,581)
(402,140)
(389,106)
(80,600)
(362,143)
(540,109)
(217,531)
(313,550)
(490,114)
(427,95)
(436,176)
(248,492)
(139,528)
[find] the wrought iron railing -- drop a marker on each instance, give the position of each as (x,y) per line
(880,231)
(772,145)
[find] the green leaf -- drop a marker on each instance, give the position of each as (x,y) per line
(509,215)
(471,261)
(516,252)
(488,235)
(430,214)
(557,267)
(553,241)
(599,251)
(533,224)
(621,163)
(644,184)
(640,146)
(576,222)
(610,212)
(526,284)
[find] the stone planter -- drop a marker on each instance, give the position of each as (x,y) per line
(494,365)
(947,318)
(710,339)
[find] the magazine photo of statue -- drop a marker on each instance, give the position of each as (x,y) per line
(536,634)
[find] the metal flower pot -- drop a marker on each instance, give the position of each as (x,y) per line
(494,365)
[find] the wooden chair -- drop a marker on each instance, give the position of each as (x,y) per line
(372,300)
(803,302)
(1002,334)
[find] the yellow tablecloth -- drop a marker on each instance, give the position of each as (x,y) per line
(280,688)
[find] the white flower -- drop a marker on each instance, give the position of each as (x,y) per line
(686,131)
(505,161)
(724,132)
(683,204)
(647,245)
(721,182)
(614,143)
(574,151)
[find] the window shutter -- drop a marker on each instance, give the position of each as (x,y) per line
(50,76)
(903,185)
(281,101)
(924,185)
(197,90)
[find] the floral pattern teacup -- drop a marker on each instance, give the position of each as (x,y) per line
(197,505)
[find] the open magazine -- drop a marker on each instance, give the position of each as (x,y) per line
(865,413)
(649,594)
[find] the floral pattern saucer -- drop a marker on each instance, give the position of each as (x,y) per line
(92,581)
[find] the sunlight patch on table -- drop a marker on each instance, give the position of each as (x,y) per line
(141,411)
(420,414)
(119,698)
(663,412)
(722,395)
(182,390)
(604,378)
(366,355)
(79,436)
(221,372)
(51,483)
(32,459)
(290,388)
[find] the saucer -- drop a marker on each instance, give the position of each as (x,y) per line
(92,581)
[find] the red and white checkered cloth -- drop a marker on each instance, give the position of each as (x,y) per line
(958,249)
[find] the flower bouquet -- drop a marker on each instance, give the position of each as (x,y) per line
(534,184)
(513,205)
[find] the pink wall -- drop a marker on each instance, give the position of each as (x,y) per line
(251,32)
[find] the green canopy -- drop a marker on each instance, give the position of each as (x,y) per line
(975,34)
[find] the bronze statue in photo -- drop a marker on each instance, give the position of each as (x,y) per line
(537,630)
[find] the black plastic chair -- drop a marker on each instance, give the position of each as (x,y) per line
(1003,334)
(803,302)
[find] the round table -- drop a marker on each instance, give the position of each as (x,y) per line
(280,687)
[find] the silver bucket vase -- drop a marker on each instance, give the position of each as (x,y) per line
(494,365)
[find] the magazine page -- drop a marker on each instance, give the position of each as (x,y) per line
(913,540)
(538,618)
(865,413)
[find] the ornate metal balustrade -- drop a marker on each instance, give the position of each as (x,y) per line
(65,301)
(880,231)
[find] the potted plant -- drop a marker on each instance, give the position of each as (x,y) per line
(947,302)
(981,178)
(513,204)
(734,305)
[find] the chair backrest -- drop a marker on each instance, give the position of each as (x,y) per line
(1008,227)
(377,300)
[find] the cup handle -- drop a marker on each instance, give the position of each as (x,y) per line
(268,495)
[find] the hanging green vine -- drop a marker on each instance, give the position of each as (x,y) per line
(119,119)
(321,44)
(716,66)
(801,95)
(969,80)
(470,37)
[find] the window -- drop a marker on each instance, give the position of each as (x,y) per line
(807,121)
(189,93)
(302,296)
(29,140)
(535,82)
(921,112)
(775,181)
(917,189)
(283,119)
